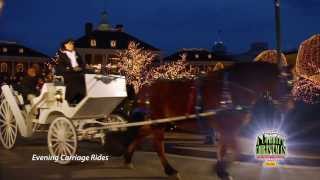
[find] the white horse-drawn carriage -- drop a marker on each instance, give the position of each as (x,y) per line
(65,125)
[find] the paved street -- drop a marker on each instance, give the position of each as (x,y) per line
(17,163)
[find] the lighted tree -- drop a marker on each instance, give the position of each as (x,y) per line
(307,87)
(219,66)
(271,56)
(134,63)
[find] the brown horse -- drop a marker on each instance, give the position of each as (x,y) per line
(238,86)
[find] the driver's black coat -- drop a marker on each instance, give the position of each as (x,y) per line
(74,80)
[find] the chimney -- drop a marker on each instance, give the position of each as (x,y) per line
(88,28)
(119,27)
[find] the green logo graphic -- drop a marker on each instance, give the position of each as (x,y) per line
(271,148)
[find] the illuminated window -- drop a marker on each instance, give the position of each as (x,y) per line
(197,56)
(21,50)
(93,43)
(4,49)
(113,43)
(4,67)
(210,56)
(19,67)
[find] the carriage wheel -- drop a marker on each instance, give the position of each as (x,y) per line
(8,125)
(62,139)
(113,118)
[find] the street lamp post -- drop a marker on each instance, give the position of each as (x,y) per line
(1,5)
(278,30)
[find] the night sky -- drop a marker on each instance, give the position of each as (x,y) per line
(166,24)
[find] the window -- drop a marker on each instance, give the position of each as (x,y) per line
(93,43)
(210,56)
(196,56)
(113,43)
(97,59)
(5,49)
(4,67)
(19,67)
(21,50)
(88,58)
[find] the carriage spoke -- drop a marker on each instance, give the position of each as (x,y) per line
(2,109)
(13,126)
(5,136)
(69,151)
(3,132)
(54,144)
(3,125)
(11,138)
(2,115)
(55,150)
(70,140)
(12,134)
(55,140)
(61,149)
(54,134)
(70,146)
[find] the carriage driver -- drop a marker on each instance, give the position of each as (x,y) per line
(71,67)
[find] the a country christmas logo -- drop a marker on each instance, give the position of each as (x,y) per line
(271,148)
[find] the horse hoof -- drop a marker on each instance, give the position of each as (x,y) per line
(227,178)
(174,177)
(128,166)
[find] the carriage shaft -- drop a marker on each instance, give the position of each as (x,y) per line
(156,121)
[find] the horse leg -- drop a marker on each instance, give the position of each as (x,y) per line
(132,147)
(221,166)
(158,144)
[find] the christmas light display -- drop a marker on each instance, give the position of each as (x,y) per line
(170,71)
(271,56)
(218,66)
(136,66)
(307,87)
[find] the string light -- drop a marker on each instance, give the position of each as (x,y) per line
(136,66)
(270,56)
(170,71)
(307,87)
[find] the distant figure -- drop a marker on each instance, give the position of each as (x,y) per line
(71,67)
(28,85)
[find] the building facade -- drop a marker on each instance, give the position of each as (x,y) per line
(100,47)
(200,60)
(15,59)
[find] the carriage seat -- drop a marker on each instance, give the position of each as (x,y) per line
(48,95)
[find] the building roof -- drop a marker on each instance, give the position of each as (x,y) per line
(14,49)
(104,38)
(195,54)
